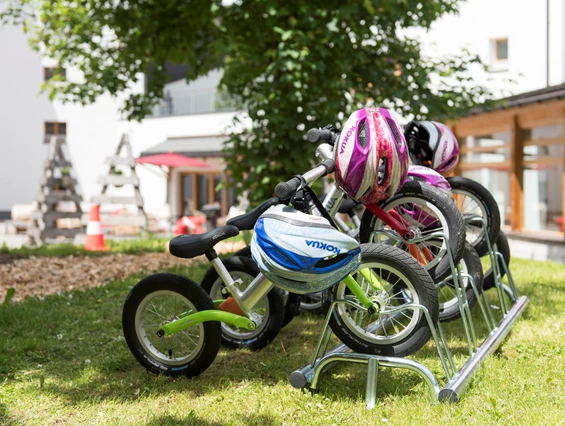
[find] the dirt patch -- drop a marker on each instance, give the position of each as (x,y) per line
(39,276)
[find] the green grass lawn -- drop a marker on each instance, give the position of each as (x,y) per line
(63,360)
(149,244)
(143,245)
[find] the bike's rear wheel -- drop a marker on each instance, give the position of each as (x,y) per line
(470,265)
(293,302)
(270,309)
(157,300)
(501,246)
(404,281)
(474,200)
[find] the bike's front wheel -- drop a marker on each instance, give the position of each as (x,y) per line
(403,281)
(160,299)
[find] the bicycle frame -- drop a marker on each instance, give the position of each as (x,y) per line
(258,288)
(248,298)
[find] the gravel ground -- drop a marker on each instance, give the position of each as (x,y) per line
(39,276)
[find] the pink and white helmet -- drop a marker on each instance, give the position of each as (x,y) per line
(432,145)
(371,156)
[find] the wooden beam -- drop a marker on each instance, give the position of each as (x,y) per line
(544,142)
(118,180)
(505,165)
(180,195)
(541,114)
(195,190)
(225,196)
(483,124)
(210,188)
(543,160)
(490,148)
(517,177)
(531,115)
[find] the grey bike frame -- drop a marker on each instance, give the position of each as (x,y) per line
(260,286)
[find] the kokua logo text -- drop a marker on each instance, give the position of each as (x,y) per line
(346,139)
(322,246)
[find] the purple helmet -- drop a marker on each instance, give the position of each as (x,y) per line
(432,145)
(371,156)
(428,176)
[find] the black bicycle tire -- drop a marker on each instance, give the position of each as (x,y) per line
(474,268)
(275,299)
(243,252)
(427,295)
(490,205)
(503,247)
(445,205)
(201,301)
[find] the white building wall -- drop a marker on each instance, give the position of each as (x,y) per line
(22,114)
(91,130)
(523,22)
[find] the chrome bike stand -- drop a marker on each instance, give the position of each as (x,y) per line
(457,380)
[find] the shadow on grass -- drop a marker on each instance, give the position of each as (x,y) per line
(73,348)
(5,418)
(193,419)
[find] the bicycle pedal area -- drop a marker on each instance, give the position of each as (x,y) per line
(497,315)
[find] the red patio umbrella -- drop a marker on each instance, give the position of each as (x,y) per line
(171,159)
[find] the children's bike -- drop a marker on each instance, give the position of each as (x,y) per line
(172,326)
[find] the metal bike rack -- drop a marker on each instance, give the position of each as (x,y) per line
(456,380)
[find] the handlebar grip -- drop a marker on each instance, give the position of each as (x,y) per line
(284,190)
(319,135)
(329,165)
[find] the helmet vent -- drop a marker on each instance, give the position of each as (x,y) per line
(363,134)
(329,261)
(394,131)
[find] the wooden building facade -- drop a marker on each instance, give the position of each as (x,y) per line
(517,151)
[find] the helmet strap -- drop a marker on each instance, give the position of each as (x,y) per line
(319,206)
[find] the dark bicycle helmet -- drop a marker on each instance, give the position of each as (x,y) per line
(432,145)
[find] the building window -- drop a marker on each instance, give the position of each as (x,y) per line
(543,178)
(49,73)
(501,49)
(486,159)
(54,128)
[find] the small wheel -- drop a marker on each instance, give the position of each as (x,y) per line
(293,301)
(502,247)
(474,200)
(292,307)
(404,280)
(312,303)
(244,252)
(270,309)
(426,209)
(470,265)
(157,300)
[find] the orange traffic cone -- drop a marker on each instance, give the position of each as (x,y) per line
(94,236)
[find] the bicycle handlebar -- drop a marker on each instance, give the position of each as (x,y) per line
(326,135)
(319,135)
(284,190)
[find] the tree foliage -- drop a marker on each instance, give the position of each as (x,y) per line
(292,64)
